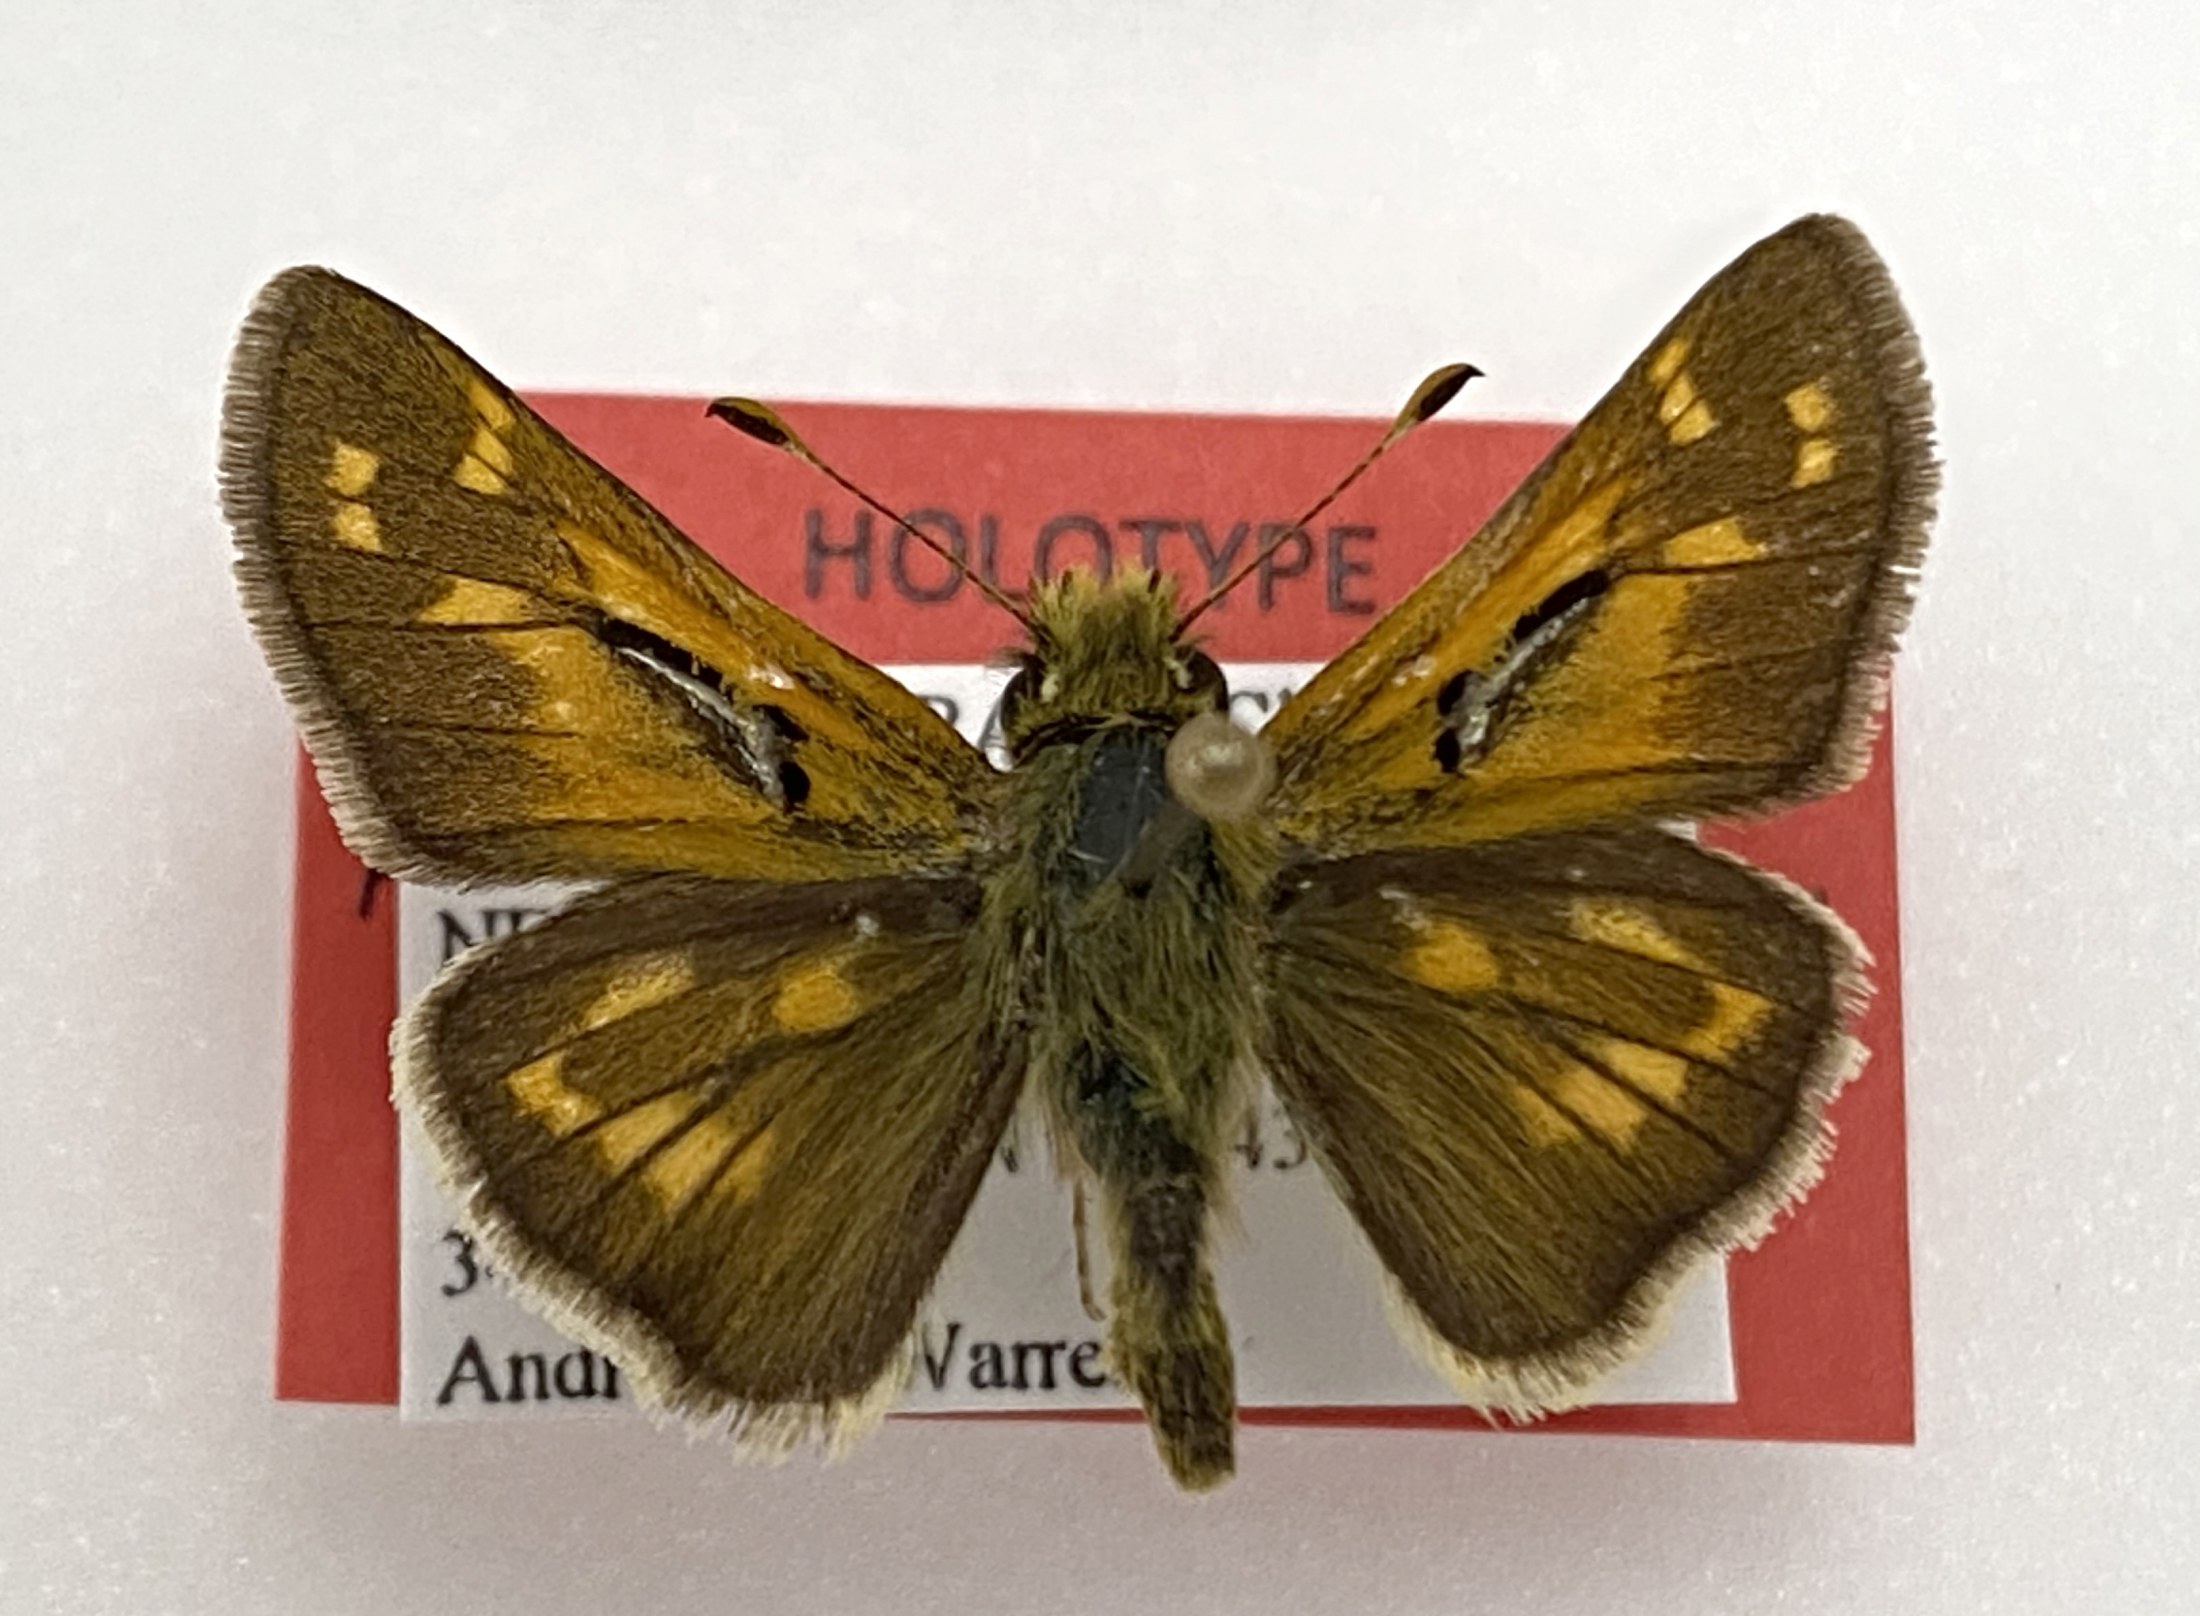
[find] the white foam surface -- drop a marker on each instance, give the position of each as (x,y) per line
(1283,207)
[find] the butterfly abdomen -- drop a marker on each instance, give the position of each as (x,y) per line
(1139,988)
(1167,1339)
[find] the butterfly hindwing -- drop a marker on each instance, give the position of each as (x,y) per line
(1685,611)
(725,1132)
(510,667)
(1547,1074)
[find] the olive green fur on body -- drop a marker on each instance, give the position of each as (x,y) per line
(1132,933)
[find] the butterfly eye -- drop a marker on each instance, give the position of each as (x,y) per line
(1200,673)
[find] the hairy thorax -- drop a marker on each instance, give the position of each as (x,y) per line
(1128,922)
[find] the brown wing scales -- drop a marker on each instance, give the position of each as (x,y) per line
(1547,1075)
(726,1132)
(1749,504)
(510,667)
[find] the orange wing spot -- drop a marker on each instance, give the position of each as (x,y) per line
(474,473)
(651,979)
(1668,361)
(1601,1103)
(545,1096)
(351,469)
(1547,1125)
(1814,458)
(1630,931)
(491,450)
(1714,544)
(469,601)
(743,1176)
(1655,1072)
(1809,407)
(1451,959)
(1736,1014)
(1575,542)
(815,997)
(494,412)
(1606,702)
(1578,540)
(1405,690)
(1694,422)
(1680,394)
(696,805)
(353,525)
(1684,415)
(579,690)
(677,1173)
(624,1139)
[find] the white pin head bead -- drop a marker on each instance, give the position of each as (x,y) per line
(1219,769)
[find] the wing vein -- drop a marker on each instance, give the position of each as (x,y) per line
(1791,559)
(1534,1010)
(1690,972)
(1603,1069)
(391,558)
(421,726)
(384,626)
(675,1217)
(1697,668)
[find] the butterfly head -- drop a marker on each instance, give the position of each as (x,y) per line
(1105,655)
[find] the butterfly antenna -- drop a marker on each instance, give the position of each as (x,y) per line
(763,423)
(1441,387)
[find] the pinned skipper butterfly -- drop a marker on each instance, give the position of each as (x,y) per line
(723,1116)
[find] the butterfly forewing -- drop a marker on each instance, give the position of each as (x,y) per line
(1546,1074)
(726,1131)
(510,667)
(1685,611)
(1548,1051)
